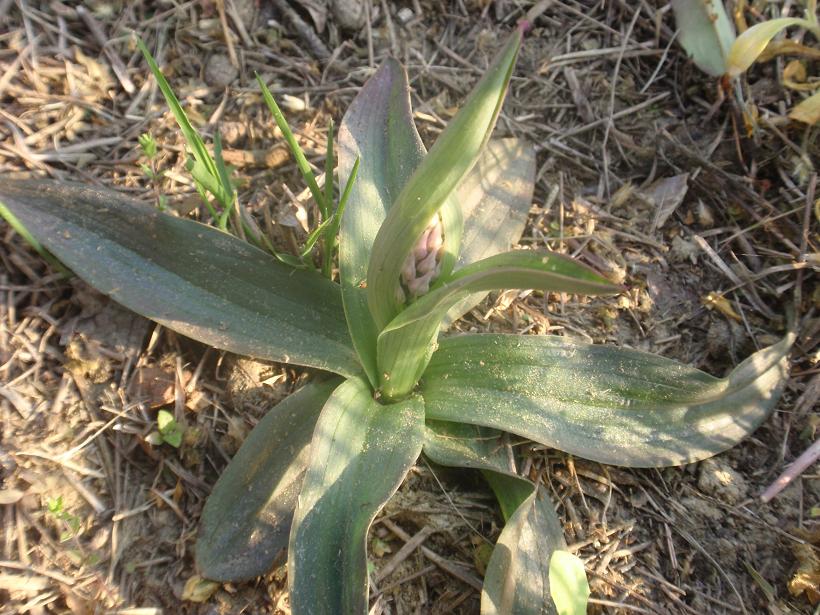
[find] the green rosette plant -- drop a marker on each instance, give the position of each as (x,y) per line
(424,236)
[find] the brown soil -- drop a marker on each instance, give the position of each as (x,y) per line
(97,520)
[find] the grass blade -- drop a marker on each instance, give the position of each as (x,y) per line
(222,191)
(331,240)
(330,164)
(295,149)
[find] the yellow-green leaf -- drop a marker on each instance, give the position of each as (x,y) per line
(169,429)
(568,584)
(198,589)
(808,110)
(749,45)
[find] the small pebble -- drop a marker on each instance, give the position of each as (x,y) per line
(405,14)
(720,481)
(349,14)
(219,72)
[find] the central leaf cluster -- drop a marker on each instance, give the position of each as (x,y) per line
(404,222)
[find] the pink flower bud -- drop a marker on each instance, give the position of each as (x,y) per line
(423,264)
(428,264)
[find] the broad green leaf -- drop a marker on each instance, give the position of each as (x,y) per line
(455,152)
(187,276)
(246,521)
(495,198)
(568,583)
(706,33)
(515,558)
(404,346)
(360,452)
(462,445)
(378,130)
(808,110)
(518,577)
(751,43)
(607,404)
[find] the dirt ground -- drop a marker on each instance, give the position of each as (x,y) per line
(644,171)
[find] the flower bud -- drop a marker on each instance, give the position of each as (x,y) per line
(423,264)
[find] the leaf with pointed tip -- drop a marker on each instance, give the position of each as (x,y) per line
(751,43)
(510,490)
(607,404)
(404,346)
(192,278)
(517,581)
(246,521)
(378,130)
(203,168)
(706,33)
(495,198)
(455,152)
(360,452)
(533,532)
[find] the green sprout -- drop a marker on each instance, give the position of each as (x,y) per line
(72,523)
(148,145)
(422,238)
(170,431)
(149,149)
